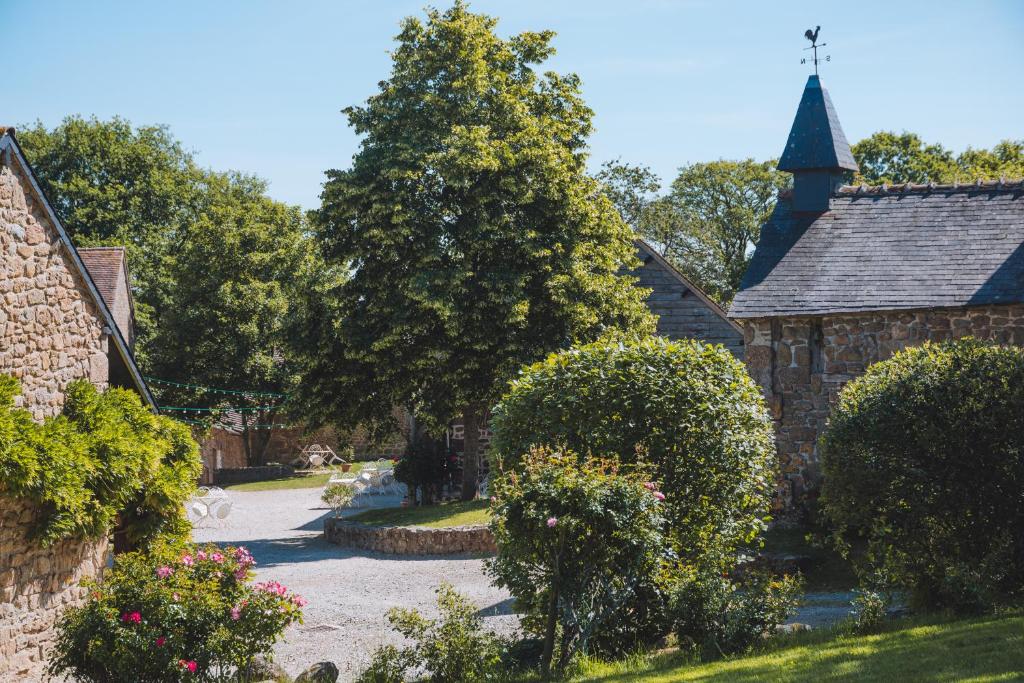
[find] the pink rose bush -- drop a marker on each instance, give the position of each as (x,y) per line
(178,613)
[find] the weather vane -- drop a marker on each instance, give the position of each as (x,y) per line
(813,37)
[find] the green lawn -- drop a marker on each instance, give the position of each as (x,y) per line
(981,649)
(299,481)
(444,515)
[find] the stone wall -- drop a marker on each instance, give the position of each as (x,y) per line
(409,540)
(51,332)
(36,585)
(802,363)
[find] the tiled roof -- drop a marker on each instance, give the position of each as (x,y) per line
(890,248)
(816,140)
(104,265)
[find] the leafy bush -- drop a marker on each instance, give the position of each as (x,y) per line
(870,609)
(577,539)
(923,460)
(338,495)
(717,616)
(690,408)
(106,457)
(181,613)
(424,466)
(452,648)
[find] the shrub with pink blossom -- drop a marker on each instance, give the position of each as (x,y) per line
(179,613)
(579,543)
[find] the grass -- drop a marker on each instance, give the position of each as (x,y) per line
(443,515)
(318,479)
(979,649)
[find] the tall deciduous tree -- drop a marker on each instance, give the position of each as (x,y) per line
(114,184)
(887,157)
(475,238)
(215,263)
(234,286)
(630,187)
(710,221)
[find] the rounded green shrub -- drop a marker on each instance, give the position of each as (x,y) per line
(688,408)
(923,461)
(579,541)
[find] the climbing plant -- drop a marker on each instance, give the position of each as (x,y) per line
(104,460)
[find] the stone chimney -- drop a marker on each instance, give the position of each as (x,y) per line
(816,153)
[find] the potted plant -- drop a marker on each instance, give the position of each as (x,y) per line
(347,455)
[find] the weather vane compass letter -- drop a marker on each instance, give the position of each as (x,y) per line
(813,37)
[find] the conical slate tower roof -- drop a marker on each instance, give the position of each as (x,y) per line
(816,141)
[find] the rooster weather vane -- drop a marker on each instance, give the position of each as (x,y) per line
(813,37)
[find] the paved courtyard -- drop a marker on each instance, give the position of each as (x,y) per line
(349,591)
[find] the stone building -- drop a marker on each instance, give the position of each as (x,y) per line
(844,276)
(55,327)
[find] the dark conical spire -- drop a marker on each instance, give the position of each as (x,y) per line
(816,141)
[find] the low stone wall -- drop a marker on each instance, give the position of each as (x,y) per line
(245,475)
(36,585)
(409,540)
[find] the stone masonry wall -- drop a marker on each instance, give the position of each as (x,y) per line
(410,540)
(36,585)
(51,332)
(802,363)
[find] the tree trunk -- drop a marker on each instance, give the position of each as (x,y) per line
(246,442)
(549,634)
(471,418)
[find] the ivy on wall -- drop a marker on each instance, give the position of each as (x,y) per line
(105,461)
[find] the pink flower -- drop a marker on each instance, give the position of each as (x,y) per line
(131,618)
(187,560)
(176,597)
(300,601)
(272,587)
(201,555)
(236,613)
(164,572)
(552,521)
(240,574)
(189,664)
(217,557)
(160,641)
(649,485)
(659,495)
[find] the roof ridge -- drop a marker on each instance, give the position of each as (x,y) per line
(1015,185)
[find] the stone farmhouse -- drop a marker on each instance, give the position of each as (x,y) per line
(58,323)
(844,276)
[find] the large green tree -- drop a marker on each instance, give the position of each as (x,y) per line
(215,263)
(630,187)
(894,158)
(235,280)
(114,184)
(475,239)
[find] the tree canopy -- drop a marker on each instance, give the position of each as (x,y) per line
(894,158)
(213,260)
(475,240)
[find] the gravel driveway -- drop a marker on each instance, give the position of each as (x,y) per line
(349,591)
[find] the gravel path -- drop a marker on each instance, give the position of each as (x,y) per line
(349,591)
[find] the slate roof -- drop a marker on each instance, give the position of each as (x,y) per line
(882,248)
(104,265)
(816,140)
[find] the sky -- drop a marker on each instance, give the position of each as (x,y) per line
(257,86)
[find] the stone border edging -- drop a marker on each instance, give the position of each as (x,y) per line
(409,540)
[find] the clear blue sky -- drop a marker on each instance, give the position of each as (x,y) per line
(257,86)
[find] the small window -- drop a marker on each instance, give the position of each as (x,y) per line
(816,342)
